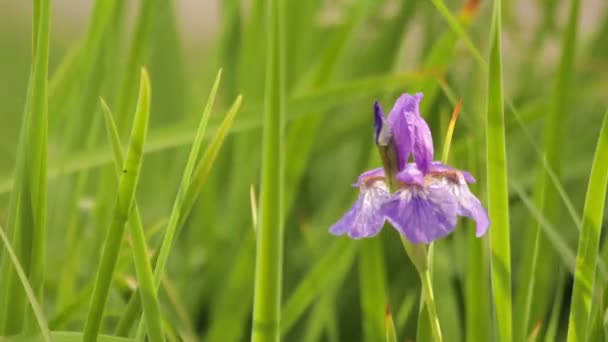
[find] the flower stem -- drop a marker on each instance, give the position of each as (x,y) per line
(420,258)
(429,299)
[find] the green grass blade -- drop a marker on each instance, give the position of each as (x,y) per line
(389,326)
(456,26)
(536,277)
(183,134)
(498,192)
(269,243)
(200,176)
(124,204)
(589,238)
(37,309)
(176,211)
(147,290)
(27,212)
(180,200)
(135,57)
(63,336)
(328,271)
(372,289)
(556,310)
(38,152)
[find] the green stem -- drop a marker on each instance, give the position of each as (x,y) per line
(269,247)
(429,299)
(420,258)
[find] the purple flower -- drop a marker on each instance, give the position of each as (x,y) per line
(427,196)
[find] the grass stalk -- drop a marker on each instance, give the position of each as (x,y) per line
(31,296)
(269,247)
(147,290)
(589,240)
(498,192)
(123,208)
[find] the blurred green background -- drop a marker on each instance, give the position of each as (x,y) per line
(341,55)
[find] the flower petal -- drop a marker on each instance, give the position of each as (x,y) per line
(422,139)
(411,175)
(365,218)
(422,214)
(411,132)
(438,167)
(469,205)
(369,175)
(401,130)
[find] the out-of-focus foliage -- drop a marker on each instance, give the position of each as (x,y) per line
(340,56)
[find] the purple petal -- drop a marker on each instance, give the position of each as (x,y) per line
(422,214)
(469,205)
(422,139)
(378,120)
(411,175)
(411,132)
(439,168)
(365,218)
(368,175)
(400,128)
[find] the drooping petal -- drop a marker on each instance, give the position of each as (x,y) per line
(422,214)
(365,218)
(469,205)
(369,175)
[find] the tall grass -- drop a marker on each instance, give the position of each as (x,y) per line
(222,233)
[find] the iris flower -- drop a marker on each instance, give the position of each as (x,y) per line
(421,199)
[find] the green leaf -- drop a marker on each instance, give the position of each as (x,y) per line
(498,192)
(124,203)
(389,326)
(269,242)
(589,239)
(201,174)
(328,271)
(372,289)
(27,212)
(40,319)
(533,298)
(145,278)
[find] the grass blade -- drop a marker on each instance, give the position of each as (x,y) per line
(147,290)
(456,26)
(389,326)
(269,242)
(589,239)
(178,204)
(124,203)
(41,320)
(498,192)
(27,213)
(532,300)
(330,270)
(372,289)
(201,175)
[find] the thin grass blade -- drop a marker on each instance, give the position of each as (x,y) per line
(200,177)
(589,239)
(29,291)
(389,326)
(147,290)
(269,243)
(123,207)
(498,192)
